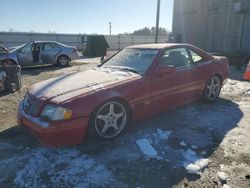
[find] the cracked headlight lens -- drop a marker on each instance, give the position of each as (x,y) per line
(55,113)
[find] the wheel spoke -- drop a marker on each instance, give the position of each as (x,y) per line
(119,115)
(214,92)
(209,93)
(102,117)
(216,85)
(105,128)
(111,108)
(115,126)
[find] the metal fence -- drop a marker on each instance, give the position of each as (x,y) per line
(116,42)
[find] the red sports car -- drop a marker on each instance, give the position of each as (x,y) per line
(136,83)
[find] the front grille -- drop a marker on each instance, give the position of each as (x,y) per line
(31,106)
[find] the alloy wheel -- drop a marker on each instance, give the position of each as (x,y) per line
(213,88)
(110,119)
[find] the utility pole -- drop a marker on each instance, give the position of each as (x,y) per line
(157,21)
(110,26)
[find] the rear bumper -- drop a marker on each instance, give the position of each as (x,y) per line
(57,134)
(73,56)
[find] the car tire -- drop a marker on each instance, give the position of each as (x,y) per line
(63,60)
(212,89)
(109,120)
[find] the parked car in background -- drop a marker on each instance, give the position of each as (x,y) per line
(136,83)
(10,76)
(40,53)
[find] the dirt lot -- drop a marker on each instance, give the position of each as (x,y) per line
(214,137)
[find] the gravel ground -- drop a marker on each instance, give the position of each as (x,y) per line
(214,137)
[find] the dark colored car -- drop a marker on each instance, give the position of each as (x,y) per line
(10,76)
(136,83)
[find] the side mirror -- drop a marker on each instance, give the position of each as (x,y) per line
(166,69)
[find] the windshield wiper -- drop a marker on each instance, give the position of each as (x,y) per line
(122,68)
(129,69)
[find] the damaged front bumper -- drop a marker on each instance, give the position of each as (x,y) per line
(55,134)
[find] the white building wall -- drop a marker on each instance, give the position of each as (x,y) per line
(116,42)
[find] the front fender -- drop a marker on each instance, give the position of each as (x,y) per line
(83,106)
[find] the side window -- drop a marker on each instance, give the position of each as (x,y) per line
(53,45)
(195,57)
(47,46)
(177,57)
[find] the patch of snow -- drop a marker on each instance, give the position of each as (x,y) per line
(183,143)
(193,169)
(74,84)
(247,92)
(203,153)
(193,163)
(222,176)
(146,147)
(190,156)
(148,158)
(97,87)
(62,167)
(194,147)
(163,134)
(226,186)
(202,163)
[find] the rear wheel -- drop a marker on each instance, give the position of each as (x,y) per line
(212,89)
(63,60)
(109,120)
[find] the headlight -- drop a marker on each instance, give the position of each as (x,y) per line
(54,113)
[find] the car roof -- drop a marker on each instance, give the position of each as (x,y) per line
(158,45)
(45,41)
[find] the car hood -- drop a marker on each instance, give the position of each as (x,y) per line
(65,87)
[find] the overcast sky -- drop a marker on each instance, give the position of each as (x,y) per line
(83,16)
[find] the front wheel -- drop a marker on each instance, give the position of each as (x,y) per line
(212,89)
(109,120)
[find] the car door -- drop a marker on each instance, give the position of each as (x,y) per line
(25,55)
(171,89)
(49,52)
(198,72)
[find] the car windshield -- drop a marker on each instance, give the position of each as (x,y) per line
(134,60)
(18,47)
(3,50)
